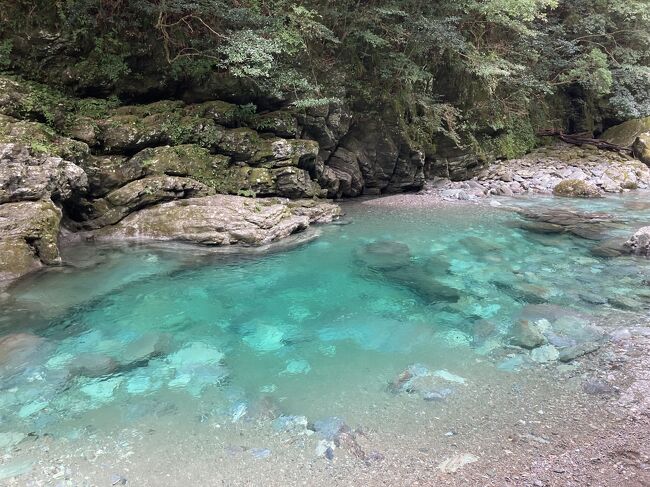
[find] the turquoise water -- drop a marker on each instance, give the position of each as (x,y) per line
(316,330)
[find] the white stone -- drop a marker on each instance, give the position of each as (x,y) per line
(455,463)
(545,354)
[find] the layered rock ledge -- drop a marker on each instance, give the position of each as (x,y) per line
(220,220)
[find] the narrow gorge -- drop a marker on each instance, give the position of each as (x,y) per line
(325,243)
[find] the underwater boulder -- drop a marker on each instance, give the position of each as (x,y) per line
(142,349)
(429,385)
(384,255)
(417,280)
(482,331)
(526,335)
(93,365)
(614,247)
(479,246)
(18,351)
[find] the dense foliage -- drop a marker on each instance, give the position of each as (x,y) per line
(478,65)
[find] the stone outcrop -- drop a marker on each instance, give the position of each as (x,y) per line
(626,133)
(34,175)
(125,173)
(641,148)
(29,175)
(543,170)
(220,220)
(139,194)
(639,243)
(365,156)
(28,238)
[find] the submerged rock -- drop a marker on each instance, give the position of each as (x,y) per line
(19,351)
(597,387)
(296,425)
(610,248)
(455,463)
(143,349)
(430,385)
(415,278)
(545,354)
(93,365)
(330,429)
(11,439)
(384,255)
(525,334)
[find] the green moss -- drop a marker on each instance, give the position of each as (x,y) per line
(516,139)
(6,46)
(41,139)
(195,162)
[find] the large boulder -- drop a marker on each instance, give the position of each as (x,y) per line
(626,133)
(139,194)
(29,175)
(106,173)
(639,243)
(40,139)
(28,238)
(576,188)
(641,148)
(282,123)
(220,220)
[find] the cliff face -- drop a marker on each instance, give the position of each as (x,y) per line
(89,170)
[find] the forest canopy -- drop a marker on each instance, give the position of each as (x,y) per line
(474,57)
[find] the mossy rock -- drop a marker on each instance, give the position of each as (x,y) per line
(28,237)
(156,108)
(626,133)
(282,123)
(641,148)
(188,160)
(576,188)
(23,99)
(288,182)
(106,173)
(139,194)
(220,112)
(41,140)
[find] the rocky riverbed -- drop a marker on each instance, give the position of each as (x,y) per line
(541,171)
(388,350)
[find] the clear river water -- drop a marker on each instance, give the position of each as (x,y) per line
(392,305)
